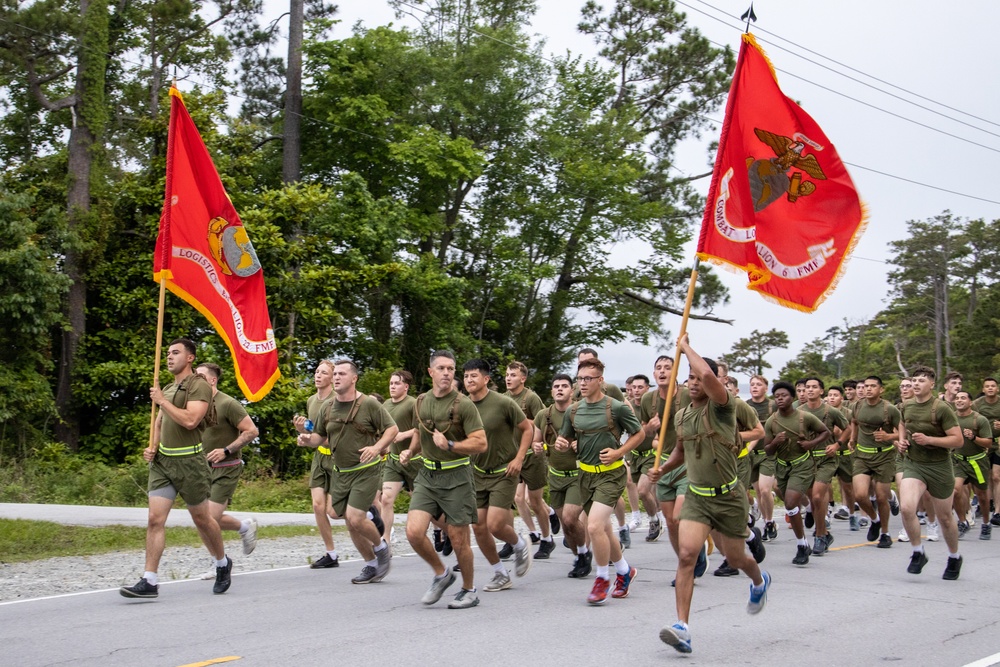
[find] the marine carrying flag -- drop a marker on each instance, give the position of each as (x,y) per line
(781,205)
(205,255)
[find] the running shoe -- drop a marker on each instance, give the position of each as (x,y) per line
(544,549)
(701,565)
(917,562)
(772,530)
(854,524)
(724,570)
(933,532)
(654,530)
(624,537)
(554,523)
(142,589)
(522,560)
(249,538)
(884,542)
(677,635)
(506,551)
(223,577)
(599,593)
(384,558)
(368,575)
(874,530)
(438,587)
(952,569)
(324,562)
(464,600)
(986,531)
(893,503)
(801,555)
(756,545)
(499,582)
(758,598)
(622,583)
(903,537)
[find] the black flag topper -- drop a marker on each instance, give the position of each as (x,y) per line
(749,16)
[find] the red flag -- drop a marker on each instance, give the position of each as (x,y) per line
(781,206)
(205,255)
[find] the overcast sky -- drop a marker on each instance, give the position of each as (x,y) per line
(940,51)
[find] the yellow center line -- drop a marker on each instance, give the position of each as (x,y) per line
(863,544)
(214,661)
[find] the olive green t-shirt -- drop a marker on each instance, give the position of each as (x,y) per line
(500,416)
(917,418)
(590,428)
(831,417)
(192,388)
(988,410)
(313,405)
(799,426)
(402,414)
(764,409)
(454,414)
(653,404)
(550,421)
(347,439)
(870,418)
(529,402)
(746,418)
(710,460)
(229,413)
(980,426)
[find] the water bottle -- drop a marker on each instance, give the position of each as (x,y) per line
(309,426)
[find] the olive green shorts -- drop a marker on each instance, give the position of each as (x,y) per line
(845,466)
(975,472)
(356,489)
(826,468)
(726,513)
(495,490)
(743,469)
(641,463)
(798,477)
(602,487)
(939,476)
(899,463)
(224,482)
(880,467)
(394,471)
(321,472)
(187,476)
(534,472)
(672,485)
(761,464)
(564,489)
(451,493)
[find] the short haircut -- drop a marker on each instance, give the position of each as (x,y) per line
(325,362)
(348,362)
(990,379)
(629,380)
(663,357)
(787,386)
(562,376)
(760,378)
(519,367)
(876,378)
(587,350)
(212,368)
(836,387)
(731,381)
(641,377)
(436,354)
(800,381)
(596,364)
(822,385)
(713,365)
(850,384)
(406,377)
(187,343)
(924,371)
(722,365)
(963,391)
(952,375)
(477,365)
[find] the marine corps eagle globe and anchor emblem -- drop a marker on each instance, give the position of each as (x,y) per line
(770,178)
(230,246)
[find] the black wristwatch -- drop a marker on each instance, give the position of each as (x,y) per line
(451,445)
(225,450)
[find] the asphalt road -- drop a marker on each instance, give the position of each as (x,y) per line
(854,606)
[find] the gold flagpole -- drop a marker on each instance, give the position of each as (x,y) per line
(667,413)
(159,352)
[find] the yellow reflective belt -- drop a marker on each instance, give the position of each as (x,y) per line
(818,452)
(974,457)
(586,467)
(180,451)
(563,473)
(873,450)
(446,465)
(711,491)
(844,452)
(361,466)
(325,450)
(743,452)
(487,471)
(793,461)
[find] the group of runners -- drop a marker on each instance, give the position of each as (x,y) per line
(469,458)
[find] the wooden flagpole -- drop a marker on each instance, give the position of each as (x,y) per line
(667,413)
(159,353)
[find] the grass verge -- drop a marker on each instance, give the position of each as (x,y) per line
(22,540)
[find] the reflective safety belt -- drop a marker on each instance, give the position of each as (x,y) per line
(711,491)
(564,473)
(793,461)
(180,451)
(586,467)
(446,465)
(490,471)
(360,466)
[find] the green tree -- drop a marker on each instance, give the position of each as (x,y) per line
(747,355)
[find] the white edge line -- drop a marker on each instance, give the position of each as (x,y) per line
(985,662)
(180,581)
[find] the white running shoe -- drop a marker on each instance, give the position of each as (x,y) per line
(903,537)
(208,576)
(933,532)
(634,525)
(249,538)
